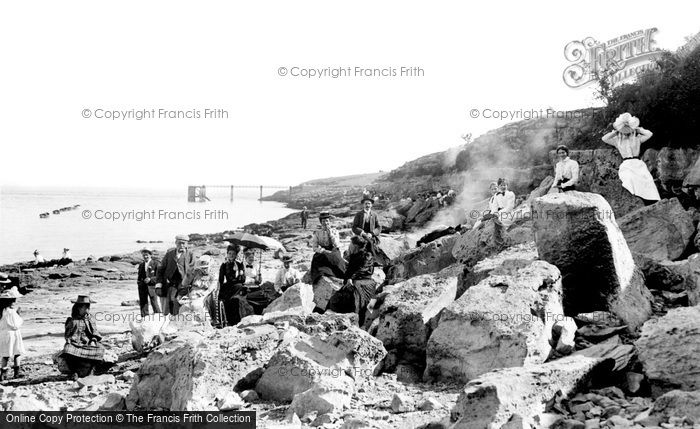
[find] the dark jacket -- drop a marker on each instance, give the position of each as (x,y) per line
(231,279)
(373,228)
(173,271)
(152,273)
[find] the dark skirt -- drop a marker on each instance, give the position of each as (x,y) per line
(353,298)
(93,353)
(329,265)
(233,305)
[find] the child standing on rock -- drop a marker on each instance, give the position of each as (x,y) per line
(11,345)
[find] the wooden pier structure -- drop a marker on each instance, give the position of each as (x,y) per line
(198,193)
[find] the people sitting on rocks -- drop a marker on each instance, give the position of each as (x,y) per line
(176,264)
(565,172)
(38,259)
(83,351)
(492,206)
(232,302)
(195,297)
(327,259)
(146,282)
(628,137)
(11,345)
(287,275)
(359,288)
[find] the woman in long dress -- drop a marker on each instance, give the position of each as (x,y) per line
(327,259)
(627,137)
(232,302)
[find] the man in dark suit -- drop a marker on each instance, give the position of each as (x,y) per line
(146,281)
(176,264)
(366,224)
(304,217)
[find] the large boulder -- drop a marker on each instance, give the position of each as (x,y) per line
(392,247)
(505,262)
(576,231)
(429,258)
(190,372)
(669,348)
(410,311)
(660,231)
(319,372)
(391,220)
(676,276)
(478,243)
(324,288)
(505,320)
(522,393)
(299,297)
(678,403)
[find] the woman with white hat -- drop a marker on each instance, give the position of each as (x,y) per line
(11,345)
(627,137)
(196,298)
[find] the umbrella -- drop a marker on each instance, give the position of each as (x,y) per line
(252,241)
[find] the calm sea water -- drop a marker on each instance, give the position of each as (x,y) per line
(110,221)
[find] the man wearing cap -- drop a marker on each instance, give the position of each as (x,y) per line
(366,224)
(287,275)
(146,282)
(304,217)
(176,264)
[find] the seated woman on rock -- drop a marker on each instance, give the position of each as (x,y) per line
(565,172)
(327,259)
(233,305)
(359,288)
(83,351)
(195,297)
(627,137)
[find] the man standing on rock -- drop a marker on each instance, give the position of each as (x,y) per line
(177,263)
(366,224)
(146,281)
(304,217)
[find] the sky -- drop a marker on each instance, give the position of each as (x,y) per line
(66,65)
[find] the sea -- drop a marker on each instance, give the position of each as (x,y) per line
(110,221)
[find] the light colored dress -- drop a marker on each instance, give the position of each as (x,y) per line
(633,172)
(10,336)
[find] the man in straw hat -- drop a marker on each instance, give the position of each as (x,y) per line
(176,264)
(146,282)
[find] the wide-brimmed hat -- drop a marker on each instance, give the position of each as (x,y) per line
(204,261)
(4,278)
(182,237)
(626,119)
(324,215)
(11,293)
(83,299)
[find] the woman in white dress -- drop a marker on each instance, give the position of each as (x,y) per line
(627,137)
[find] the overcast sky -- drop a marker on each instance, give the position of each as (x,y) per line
(60,58)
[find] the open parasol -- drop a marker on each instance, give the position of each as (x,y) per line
(252,241)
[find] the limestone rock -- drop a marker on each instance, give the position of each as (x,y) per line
(669,347)
(576,232)
(409,313)
(190,372)
(676,276)
(96,380)
(392,247)
(503,263)
(298,297)
(112,402)
(324,367)
(492,399)
(506,320)
(660,231)
(324,288)
(230,401)
(478,243)
(401,403)
(391,220)
(678,403)
(429,258)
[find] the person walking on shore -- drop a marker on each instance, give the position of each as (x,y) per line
(146,282)
(565,172)
(304,217)
(628,137)
(11,345)
(173,270)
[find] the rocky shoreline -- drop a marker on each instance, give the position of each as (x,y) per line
(578,322)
